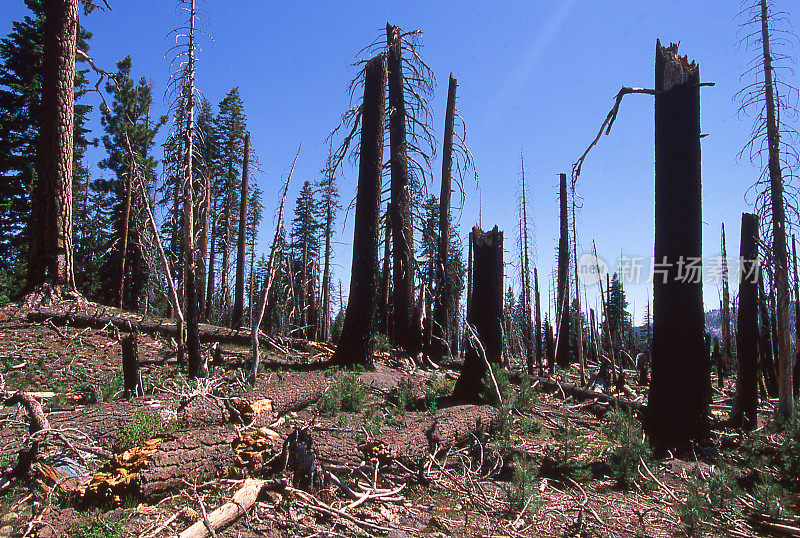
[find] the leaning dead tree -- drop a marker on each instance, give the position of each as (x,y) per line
(766,95)
(358,331)
(484,317)
(745,402)
(677,409)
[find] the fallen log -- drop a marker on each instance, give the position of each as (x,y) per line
(583,394)
(160,465)
(222,517)
(261,405)
(410,446)
(152,326)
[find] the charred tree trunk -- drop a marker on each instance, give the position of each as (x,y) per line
(796,370)
(325,328)
(562,292)
(126,217)
(726,309)
(50,257)
(677,410)
(402,230)
(358,331)
(745,402)
(485,315)
(238,301)
(526,282)
(209,307)
(443,297)
(538,347)
(469,271)
(130,367)
(549,345)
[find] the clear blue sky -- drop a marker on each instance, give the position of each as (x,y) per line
(536,77)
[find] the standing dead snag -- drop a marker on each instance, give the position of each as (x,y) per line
(745,402)
(677,410)
(130,367)
(441,315)
(485,314)
(238,301)
(562,292)
(357,339)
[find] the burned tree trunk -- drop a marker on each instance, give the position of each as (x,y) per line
(357,340)
(745,402)
(238,292)
(208,311)
(384,326)
(526,282)
(677,410)
(443,297)
(485,314)
(765,341)
(50,258)
(126,217)
(726,312)
(562,292)
(538,347)
(402,230)
(796,370)
(130,367)
(202,245)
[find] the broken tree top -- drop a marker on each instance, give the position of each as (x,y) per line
(677,69)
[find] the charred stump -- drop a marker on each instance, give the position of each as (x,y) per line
(130,367)
(485,314)
(677,410)
(358,331)
(745,401)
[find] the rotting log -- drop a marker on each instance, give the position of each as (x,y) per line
(411,446)
(582,394)
(261,405)
(242,501)
(207,333)
(160,465)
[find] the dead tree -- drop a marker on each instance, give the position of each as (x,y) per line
(126,217)
(796,372)
(484,316)
(562,290)
(130,367)
(238,300)
(677,409)
(538,347)
(441,314)
(745,402)
(384,325)
(527,336)
(726,309)
(202,244)
(765,342)
(358,330)
(50,259)
(579,315)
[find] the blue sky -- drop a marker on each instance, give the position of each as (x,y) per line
(534,77)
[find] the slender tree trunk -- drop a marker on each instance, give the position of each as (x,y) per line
(209,307)
(358,331)
(677,410)
(485,314)
(469,272)
(238,302)
(384,324)
(126,216)
(539,355)
(779,250)
(796,367)
(562,292)
(726,308)
(402,229)
(526,280)
(765,343)
(51,257)
(745,402)
(325,332)
(579,315)
(202,244)
(196,365)
(443,297)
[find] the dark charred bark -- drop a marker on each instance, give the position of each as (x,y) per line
(485,314)
(765,342)
(384,324)
(549,347)
(443,297)
(539,354)
(130,367)
(238,291)
(726,309)
(677,410)
(50,257)
(796,368)
(358,331)
(562,293)
(745,402)
(402,230)
(202,245)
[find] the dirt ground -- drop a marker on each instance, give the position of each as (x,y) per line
(507,482)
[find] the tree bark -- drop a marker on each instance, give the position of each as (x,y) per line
(443,297)
(384,324)
(726,308)
(765,342)
(402,230)
(526,281)
(485,314)
(562,291)
(126,217)
(539,354)
(745,401)
(325,327)
(50,257)
(358,331)
(130,367)
(202,245)
(677,409)
(209,306)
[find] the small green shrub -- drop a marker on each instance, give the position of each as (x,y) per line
(529,425)
(523,482)
(346,393)
(112,385)
(404,395)
(95,525)
(624,428)
(145,426)
(382,343)
(693,510)
(771,497)
(570,444)
(528,394)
